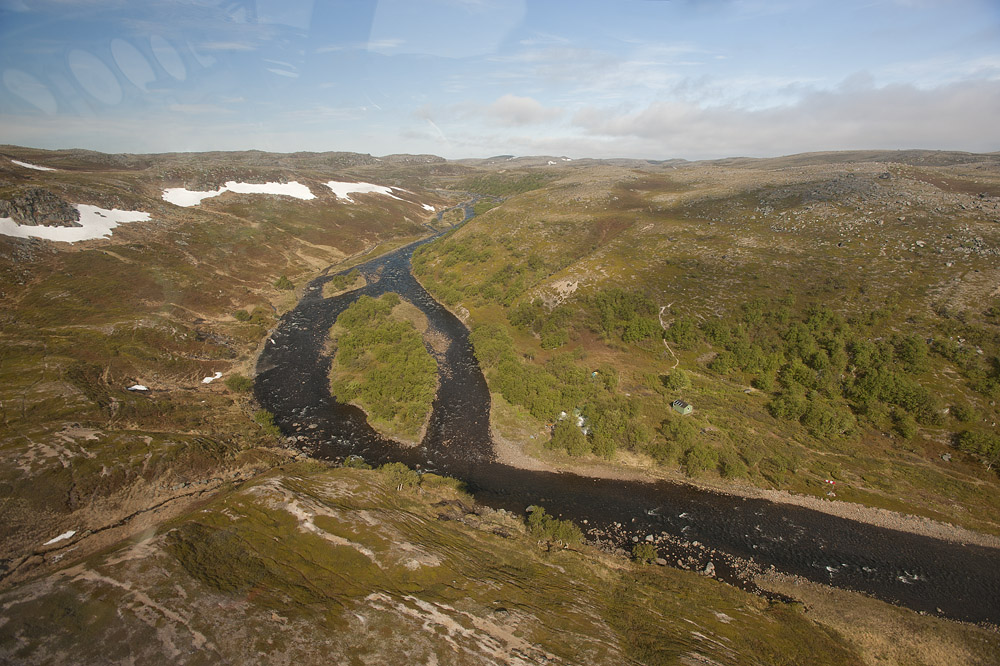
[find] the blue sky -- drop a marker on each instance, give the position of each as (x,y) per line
(471,78)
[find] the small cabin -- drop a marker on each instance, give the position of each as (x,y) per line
(681,406)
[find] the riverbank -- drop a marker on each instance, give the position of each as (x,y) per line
(960,582)
(512,453)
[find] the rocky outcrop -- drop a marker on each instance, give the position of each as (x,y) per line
(35,206)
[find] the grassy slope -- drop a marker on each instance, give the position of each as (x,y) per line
(302,562)
(152,305)
(308,565)
(705,239)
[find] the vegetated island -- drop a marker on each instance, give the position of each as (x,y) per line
(130,518)
(381,365)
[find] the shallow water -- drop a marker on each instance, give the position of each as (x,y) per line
(925,574)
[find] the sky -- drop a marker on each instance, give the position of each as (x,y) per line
(651,79)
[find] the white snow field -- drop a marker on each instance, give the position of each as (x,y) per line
(343,189)
(209,380)
(96,223)
(181,196)
(32,166)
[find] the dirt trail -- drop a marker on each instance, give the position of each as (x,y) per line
(664,327)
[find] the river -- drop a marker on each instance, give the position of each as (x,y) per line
(688,524)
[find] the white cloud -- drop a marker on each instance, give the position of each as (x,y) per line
(513,110)
(959,116)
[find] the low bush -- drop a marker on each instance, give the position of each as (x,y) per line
(238,383)
(644,553)
(544,526)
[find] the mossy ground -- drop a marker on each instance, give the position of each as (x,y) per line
(306,564)
(906,242)
(164,304)
(309,564)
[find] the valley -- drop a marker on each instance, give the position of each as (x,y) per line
(831,318)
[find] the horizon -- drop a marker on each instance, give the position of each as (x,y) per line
(463,78)
(506,155)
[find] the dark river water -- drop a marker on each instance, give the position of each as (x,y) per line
(690,527)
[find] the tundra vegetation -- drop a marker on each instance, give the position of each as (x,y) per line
(381,364)
(825,322)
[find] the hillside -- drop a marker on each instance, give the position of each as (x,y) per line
(831,317)
(165,305)
(152,511)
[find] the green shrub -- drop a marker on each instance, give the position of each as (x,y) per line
(554,339)
(491,344)
(680,430)
(383,365)
(284,283)
(338,282)
(986,445)
(825,419)
(644,553)
(964,412)
(677,380)
(640,328)
(238,383)
(665,452)
(241,315)
(543,526)
(904,424)
(399,476)
(568,436)
(684,333)
(731,466)
(699,459)
(266,421)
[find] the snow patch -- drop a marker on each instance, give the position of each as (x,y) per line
(209,380)
(137,387)
(61,537)
(181,196)
(343,189)
(426,207)
(32,166)
(95,222)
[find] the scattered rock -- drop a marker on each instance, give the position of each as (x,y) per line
(709,569)
(36,207)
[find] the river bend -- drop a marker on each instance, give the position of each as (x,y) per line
(696,526)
